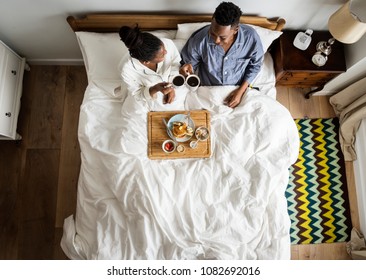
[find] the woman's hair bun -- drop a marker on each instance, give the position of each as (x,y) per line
(132,37)
(141,45)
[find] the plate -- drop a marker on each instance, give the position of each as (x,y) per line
(180,118)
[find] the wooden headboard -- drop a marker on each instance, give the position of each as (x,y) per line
(113,22)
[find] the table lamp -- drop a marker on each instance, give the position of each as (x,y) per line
(346,25)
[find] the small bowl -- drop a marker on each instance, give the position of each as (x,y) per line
(202,131)
(180,148)
(168,146)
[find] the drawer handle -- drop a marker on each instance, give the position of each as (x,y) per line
(13,72)
(8,114)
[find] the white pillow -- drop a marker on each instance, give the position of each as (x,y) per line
(169,34)
(185,30)
(103,52)
(267,36)
(179,43)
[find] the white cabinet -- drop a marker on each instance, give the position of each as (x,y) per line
(11,80)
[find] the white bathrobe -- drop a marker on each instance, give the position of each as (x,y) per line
(137,78)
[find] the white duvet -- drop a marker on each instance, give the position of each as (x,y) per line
(229,206)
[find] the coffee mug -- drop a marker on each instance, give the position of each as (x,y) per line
(178,80)
(193,82)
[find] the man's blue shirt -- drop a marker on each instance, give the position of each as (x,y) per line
(242,61)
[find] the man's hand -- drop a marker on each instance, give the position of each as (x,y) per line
(234,98)
(186,69)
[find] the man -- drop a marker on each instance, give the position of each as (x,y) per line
(224,53)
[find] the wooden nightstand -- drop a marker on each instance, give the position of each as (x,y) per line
(294,67)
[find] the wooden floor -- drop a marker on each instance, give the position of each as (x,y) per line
(318,107)
(38,175)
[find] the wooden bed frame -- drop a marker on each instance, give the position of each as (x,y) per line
(113,22)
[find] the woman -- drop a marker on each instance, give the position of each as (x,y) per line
(147,72)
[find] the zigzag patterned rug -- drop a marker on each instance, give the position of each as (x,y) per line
(317,192)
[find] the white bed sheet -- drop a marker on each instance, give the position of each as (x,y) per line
(229,206)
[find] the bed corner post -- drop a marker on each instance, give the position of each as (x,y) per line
(72,22)
(280,24)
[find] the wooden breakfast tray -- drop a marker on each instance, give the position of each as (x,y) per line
(157,135)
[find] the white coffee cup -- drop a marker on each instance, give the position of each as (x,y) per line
(178,80)
(193,82)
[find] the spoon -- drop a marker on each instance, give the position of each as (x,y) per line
(194,144)
(202,134)
(168,131)
(188,116)
(166,124)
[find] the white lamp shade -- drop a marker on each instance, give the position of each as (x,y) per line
(358,8)
(345,27)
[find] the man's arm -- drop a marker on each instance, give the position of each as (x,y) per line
(251,71)
(235,97)
(256,60)
(190,58)
(191,53)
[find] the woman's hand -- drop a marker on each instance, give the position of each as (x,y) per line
(169,97)
(166,89)
(186,69)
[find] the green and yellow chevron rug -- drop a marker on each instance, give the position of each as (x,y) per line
(317,192)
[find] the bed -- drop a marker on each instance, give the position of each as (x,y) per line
(228,206)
